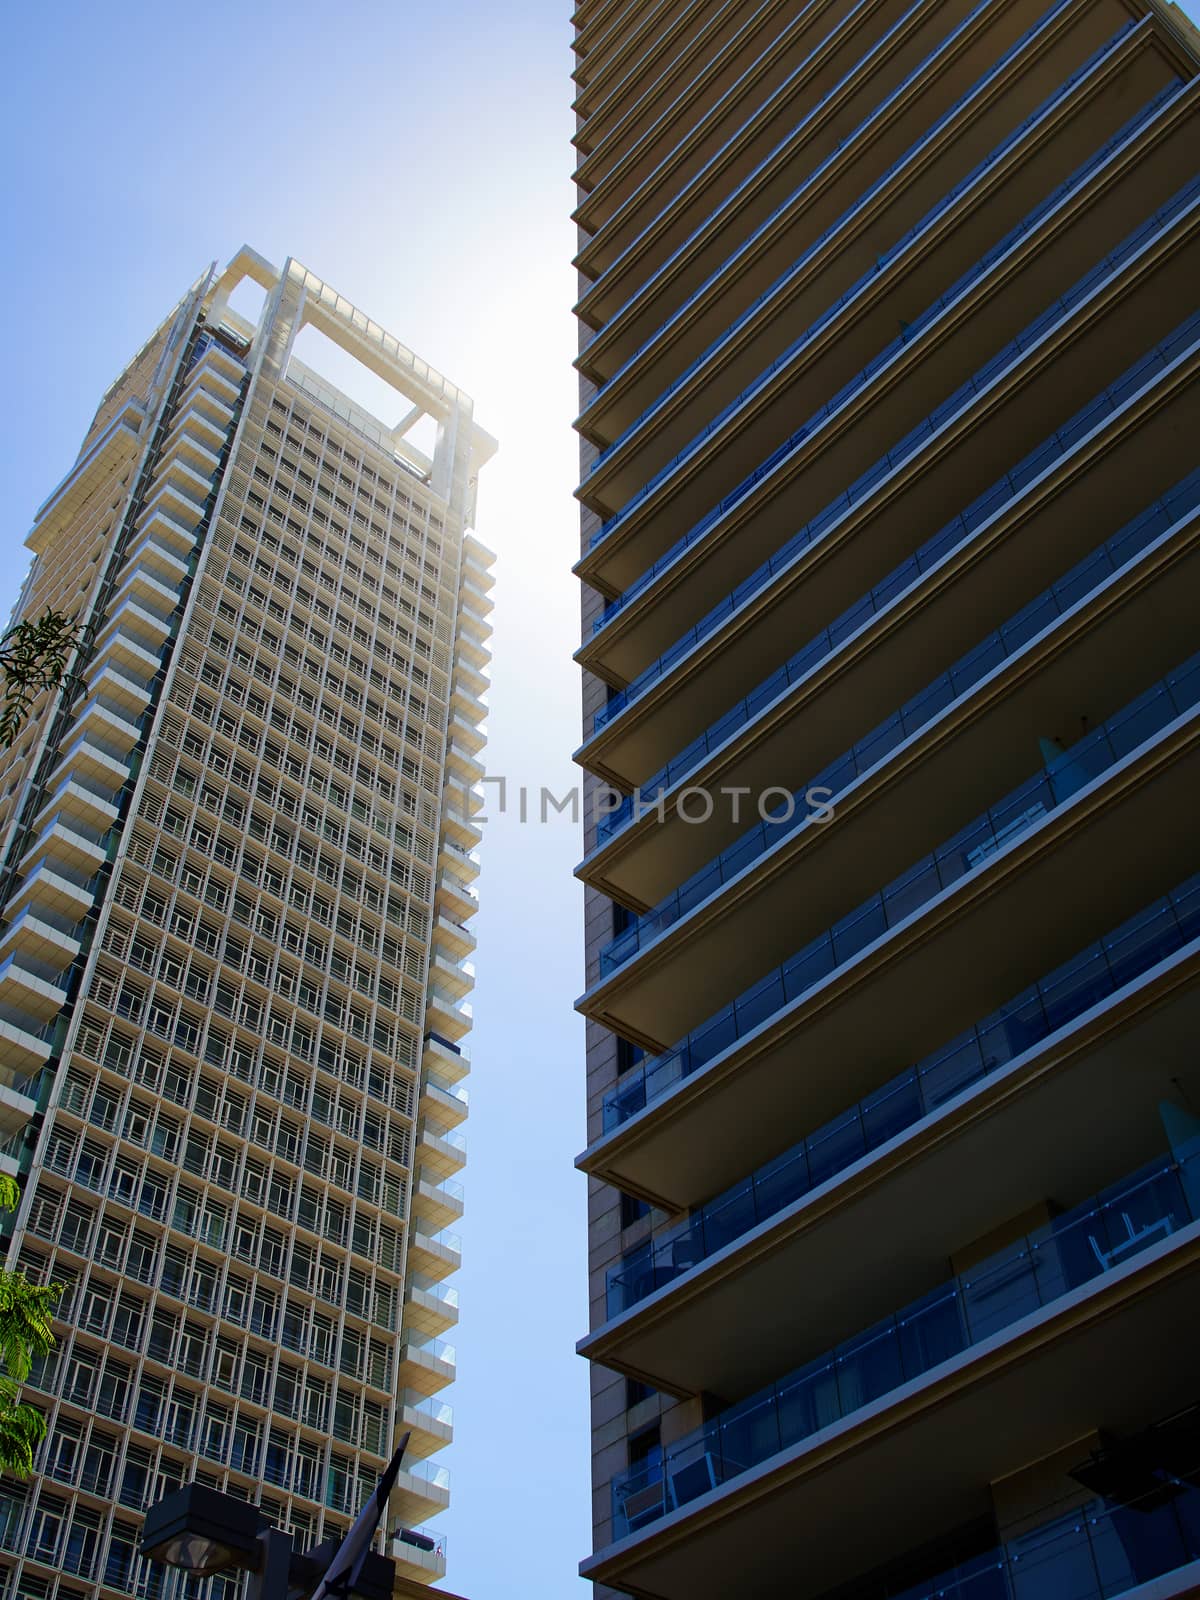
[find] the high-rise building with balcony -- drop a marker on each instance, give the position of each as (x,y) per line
(890,360)
(238,853)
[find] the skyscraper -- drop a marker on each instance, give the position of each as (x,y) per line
(237,887)
(889,348)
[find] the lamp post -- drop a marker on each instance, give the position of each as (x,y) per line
(204,1532)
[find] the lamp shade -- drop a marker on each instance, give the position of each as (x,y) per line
(202,1531)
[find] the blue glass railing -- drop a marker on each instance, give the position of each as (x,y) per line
(986,375)
(914,328)
(954,534)
(879,111)
(1103,969)
(1082,580)
(612,522)
(1088,1552)
(970,850)
(1083,1244)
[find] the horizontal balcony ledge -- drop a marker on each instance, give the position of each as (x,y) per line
(864,53)
(61,841)
(616,172)
(630,47)
(794,740)
(953,766)
(923,1457)
(1063,882)
(1005,409)
(1102,1074)
(24,1051)
(721,60)
(107,682)
(75,800)
(953,268)
(993,568)
(38,939)
(17,1110)
(937,165)
(619,302)
(971,461)
(117,448)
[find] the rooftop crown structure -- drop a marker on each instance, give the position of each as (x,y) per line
(235,896)
(889,356)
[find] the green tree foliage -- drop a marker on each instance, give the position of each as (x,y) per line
(25,1335)
(33,657)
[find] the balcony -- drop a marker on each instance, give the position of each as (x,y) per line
(88,809)
(1101,1046)
(462,763)
(453,897)
(666,706)
(16,1110)
(860,60)
(162,564)
(167,532)
(442,1150)
(50,893)
(1000,429)
(965,738)
(154,600)
(144,628)
(115,688)
(24,1050)
(472,736)
(429,1306)
(436,1204)
(951,305)
(40,998)
(197,423)
(1140,1541)
(970,92)
(426,1365)
(131,640)
(736,50)
(921,1418)
(431,1423)
(106,729)
(115,451)
(445,1058)
(447,1014)
(452,936)
(734,1078)
(940,172)
(32,938)
(434,1256)
(61,840)
(421,1490)
(418,1555)
(90,764)
(447,1104)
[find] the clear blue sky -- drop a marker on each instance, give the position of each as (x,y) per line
(419,160)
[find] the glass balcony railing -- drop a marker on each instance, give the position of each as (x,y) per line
(967,852)
(1034,1271)
(430,1409)
(773,460)
(885,177)
(986,375)
(1082,580)
(1093,975)
(1044,206)
(948,538)
(427,1345)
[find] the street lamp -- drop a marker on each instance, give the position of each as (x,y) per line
(203,1532)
